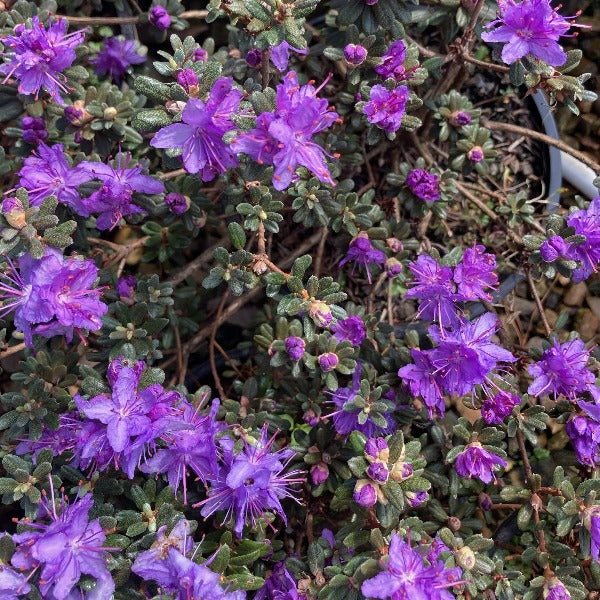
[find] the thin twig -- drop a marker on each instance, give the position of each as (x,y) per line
(197,263)
(542,137)
(12,350)
(171,174)
(485,64)
(189,14)
(538,303)
(320,251)
(211,346)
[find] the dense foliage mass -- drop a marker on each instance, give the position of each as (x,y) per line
(276,303)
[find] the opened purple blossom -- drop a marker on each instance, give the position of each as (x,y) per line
(159,17)
(362,253)
(405,574)
(116,57)
(280,585)
(283,138)
(584,432)
(250,482)
(476,461)
(34,130)
(529,27)
(386,107)
(114,199)
(12,584)
(554,248)
(495,409)
(65,549)
(187,79)
(48,173)
(393,59)
(280,54)
(200,134)
(474,275)
(587,223)
(562,370)
(351,329)
(52,295)
(38,56)
(424,381)
(591,521)
(424,185)
(555,590)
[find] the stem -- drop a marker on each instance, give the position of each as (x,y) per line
(524,457)
(197,263)
(264,68)
(211,346)
(12,350)
(542,137)
(486,65)
(171,174)
(539,304)
(189,14)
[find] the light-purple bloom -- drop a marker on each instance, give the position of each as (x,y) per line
(114,199)
(562,370)
(280,54)
(48,173)
(52,295)
(423,381)
(587,223)
(553,248)
(424,185)
(200,134)
(584,431)
(159,17)
(406,575)
(351,329)
(476,461)
(280,585)
(386,107)
(475,274)
(283,138)
(116,57)
(393,60)
(65,549)
(529,27)
(250,482)
(494,410)
(37,57)
(362,252)
(12,584)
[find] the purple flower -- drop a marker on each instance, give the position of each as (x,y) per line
(591,521)
(495,410)
(12,584)
(13,212)
(65,549)
(362,252)
(159,17)
(280,55)
(423,381)
(365,493)
(476,154)
(114,200)
(554,248)
(355,54)
(529,27)
(459,119)
(254,57)
(177,203)
(319,473)
(379,472)
(424,185)
(328,361)
(280,585)
(37,57)
(187,79)
(406,575)
(584,431)
(351,329)
(377,449)
(283,138)
(320,313)
(48,173)
(386,107)
(562,370)
(349,417)
(466,355)
(392,62)
(475,274)
(200,135)
(126,287)
(34,130)
(200,55)
(116,57)
(52,296)
(555,590)
(587,223)
(250,482)
(294,346)
(433,287)
(189,441)
(475,461)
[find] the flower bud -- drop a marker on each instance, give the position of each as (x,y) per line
(475,154)
(126,287)
(159,17)
(371,2)
(355,54)
(459,119)
(394,244)
(378,472)
(401,471)
(328,361)
(254,57)
(294,346)
(320,313)
(377,449)
(34,130)
(188,80)
(465,558)
(553,248)
(365,493)
(319,473)
(393,267)
(415,498)
(485,501)
(200,55)
(310,417)
(13,212)
(177,203)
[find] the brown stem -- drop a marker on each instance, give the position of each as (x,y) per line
(171,174)
(542,137)
(264,68)
(485,64)
(538,303)
(189,14)
(261,242)
(196,264)
(524,456)
(506,506)
(211,346)
(12,350)
(321,251)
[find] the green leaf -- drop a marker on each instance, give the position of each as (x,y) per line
(237,235)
